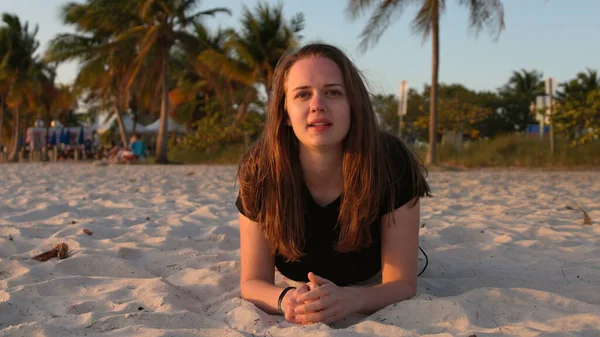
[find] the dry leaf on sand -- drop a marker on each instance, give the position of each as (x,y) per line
(586,218)
(60,250)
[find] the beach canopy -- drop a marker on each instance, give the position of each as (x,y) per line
(127,123)
(172,127)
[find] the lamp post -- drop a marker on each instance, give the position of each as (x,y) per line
(540,106)
(402,103)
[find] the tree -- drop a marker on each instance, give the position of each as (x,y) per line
(202,85)
(249,56)
(263,39)
(578,119)
(164,24)
(526,83)
(483,13)
(105,61)
(517,94)
(580,86)
(577,112)
(459,110)
(20,70)
(386,108)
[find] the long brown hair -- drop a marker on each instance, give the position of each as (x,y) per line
(270,174)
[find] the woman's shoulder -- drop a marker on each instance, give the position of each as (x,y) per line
(394,150)
(404,171)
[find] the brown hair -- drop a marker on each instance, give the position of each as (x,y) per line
(270,174)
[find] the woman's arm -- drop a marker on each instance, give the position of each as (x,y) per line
(258,267)
(399,253)
(399,260)
(258,273)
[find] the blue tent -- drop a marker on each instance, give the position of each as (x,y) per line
(81,139)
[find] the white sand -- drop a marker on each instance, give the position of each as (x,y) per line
(507,258)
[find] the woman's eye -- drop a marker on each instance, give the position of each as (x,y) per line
(302,94)
(334,93)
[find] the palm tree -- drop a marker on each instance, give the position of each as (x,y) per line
(483,13)
(589,80)
(517,94)
(20,70)
(105,61)
(249,56)
(201,80)
(579,87)
(3,95)
(264,37)
(526,83)
(164,24)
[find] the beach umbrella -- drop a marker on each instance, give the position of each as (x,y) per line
(81,139)
(61,138)
(67,139)
(53,138)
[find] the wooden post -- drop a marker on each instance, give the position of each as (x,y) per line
(54,153)
(246,139)
(21,156)
(76,154)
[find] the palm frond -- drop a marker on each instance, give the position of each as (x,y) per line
(485,13)
(379,20)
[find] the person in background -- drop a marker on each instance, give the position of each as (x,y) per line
(137,150)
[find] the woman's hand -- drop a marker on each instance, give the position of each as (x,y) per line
(290,302)
(325,302)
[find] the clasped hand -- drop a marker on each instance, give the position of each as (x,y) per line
(319,300)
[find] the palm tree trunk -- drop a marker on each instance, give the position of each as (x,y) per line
(243,108)
(122,130)
(435,38)
(1,121)
(161,143)
(47,136)
(14,151)
(231,97)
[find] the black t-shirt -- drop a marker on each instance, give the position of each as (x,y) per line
(321,233)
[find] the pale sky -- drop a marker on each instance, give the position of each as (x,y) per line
(556,37)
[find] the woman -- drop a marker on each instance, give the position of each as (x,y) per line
(326,197)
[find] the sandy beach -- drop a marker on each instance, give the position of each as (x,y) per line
(509,255)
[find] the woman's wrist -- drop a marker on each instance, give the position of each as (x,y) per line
(359,296)
(282,297)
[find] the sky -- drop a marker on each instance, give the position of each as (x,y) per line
(557,37)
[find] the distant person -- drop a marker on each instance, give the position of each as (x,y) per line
(326,197)
(137,150)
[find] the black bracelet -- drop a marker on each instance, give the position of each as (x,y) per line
(281,298)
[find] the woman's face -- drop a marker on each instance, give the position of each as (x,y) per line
(317,104)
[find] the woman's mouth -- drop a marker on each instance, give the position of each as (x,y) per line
(319,126)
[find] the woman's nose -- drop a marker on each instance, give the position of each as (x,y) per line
(317,103)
